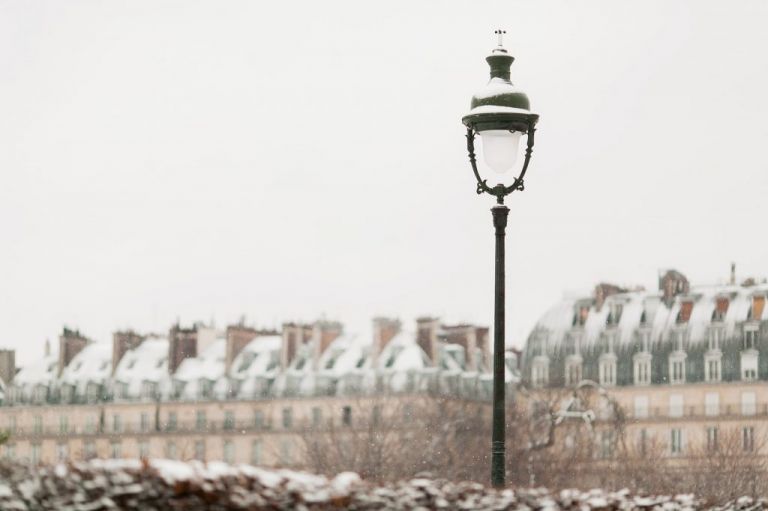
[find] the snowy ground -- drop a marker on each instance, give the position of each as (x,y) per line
(173,485)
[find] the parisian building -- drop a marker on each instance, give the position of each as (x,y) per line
(685,363)
(241,395)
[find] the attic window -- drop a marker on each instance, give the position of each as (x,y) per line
(131,363)
(51,367)
(756,311)
(78,366)
(685,312)
(580,318)
(392,358)
(160,363)
(721,308)
(300,364)
(103,366)
(614,316)
(360,362)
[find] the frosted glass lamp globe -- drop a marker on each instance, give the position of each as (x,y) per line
(500,148)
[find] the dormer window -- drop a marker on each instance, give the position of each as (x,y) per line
(573,344)
(580,316)
(540,372)
(756,311)
(750,337)
(644,336)
(677,368)
(614,315)
(721,308)
(686,308)
(572,370)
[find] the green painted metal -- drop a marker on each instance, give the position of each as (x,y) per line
(500,105)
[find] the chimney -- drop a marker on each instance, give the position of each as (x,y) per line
(238,337)
(71,342)
(182,343)
(324,333)
(426,336)
(294,337)
(121,343)
(7,365)
(384,330)
(733,274)
(671,284)
(474,340)
(603,291)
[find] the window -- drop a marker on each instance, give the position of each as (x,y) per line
(287,418)
(676,405)
(172,422)
(642,368)
(376,415)
(642,441)
(677,369)
(62,451)
(200,421)
(645,341)
(229,420)
(37,424)
(89,450)
(614,315)
(12,424)
(748,403)
(10,451)
(641,407)
(750,337)
(607,369)
(748,438)
(258,419)
(756,311)
(580,317)
(170,450)
(117,425)
(676,441)
(116,450)
(317,416)
(34,455)
(63,424)
(346,415)
(143,449)
(540,371)
(686,308)
(573,370)
(712,368)
(286,451)
(229,451)
(256,452)
(200,450)
(749,365)
(144,424)
(716,336)
(712,438)
(721,308)
(90,424)
(711,404)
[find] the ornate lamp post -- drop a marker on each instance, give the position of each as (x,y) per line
(500,114)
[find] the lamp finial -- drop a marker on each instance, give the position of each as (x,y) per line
(500,33)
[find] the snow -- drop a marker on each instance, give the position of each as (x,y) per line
(496,109)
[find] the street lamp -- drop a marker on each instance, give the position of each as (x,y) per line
(500,114)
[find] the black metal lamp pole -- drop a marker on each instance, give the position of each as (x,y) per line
(500,115)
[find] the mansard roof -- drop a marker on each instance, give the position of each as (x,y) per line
(693,312)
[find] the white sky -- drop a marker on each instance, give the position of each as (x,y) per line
(285,160)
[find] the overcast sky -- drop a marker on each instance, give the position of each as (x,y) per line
(286,161)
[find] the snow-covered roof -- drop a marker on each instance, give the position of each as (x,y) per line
(349,364)
(647,310)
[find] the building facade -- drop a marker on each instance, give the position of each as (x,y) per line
(685,363)
(242,395)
